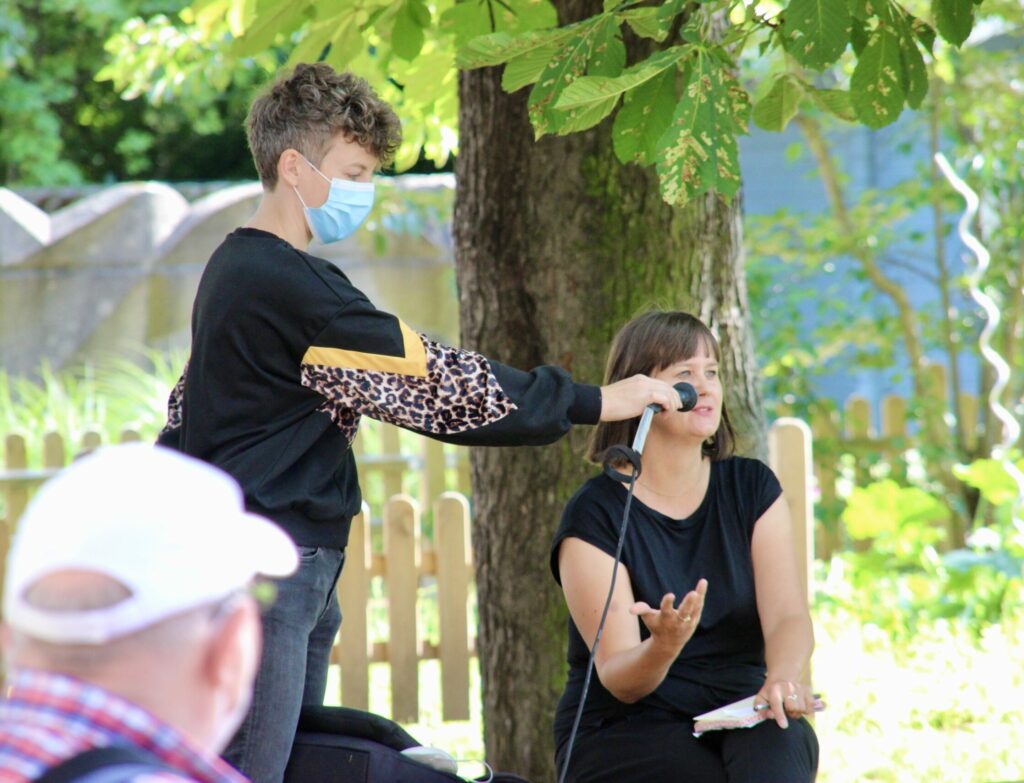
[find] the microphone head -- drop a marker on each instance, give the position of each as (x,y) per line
(687,396)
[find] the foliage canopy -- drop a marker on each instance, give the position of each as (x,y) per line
(679,105)
(59,126)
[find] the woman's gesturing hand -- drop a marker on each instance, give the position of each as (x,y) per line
(671,627)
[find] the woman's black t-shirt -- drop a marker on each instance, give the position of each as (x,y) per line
(724,660)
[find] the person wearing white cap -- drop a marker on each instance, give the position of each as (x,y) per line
(128,620)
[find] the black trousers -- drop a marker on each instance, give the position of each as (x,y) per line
(657,747)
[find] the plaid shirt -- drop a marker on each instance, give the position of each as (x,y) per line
(46,718)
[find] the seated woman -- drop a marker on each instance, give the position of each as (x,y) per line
(711,527)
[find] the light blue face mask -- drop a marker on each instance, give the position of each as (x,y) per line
(348,203)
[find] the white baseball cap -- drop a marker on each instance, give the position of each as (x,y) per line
(171,529)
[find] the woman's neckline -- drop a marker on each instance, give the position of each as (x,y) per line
(693,516)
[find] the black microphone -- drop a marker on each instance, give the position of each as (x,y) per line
(687,402)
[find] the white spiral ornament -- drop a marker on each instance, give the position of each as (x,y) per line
(1011,427)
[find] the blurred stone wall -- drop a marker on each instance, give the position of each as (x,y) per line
(113,270)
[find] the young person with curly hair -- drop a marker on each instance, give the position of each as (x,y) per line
(287,355)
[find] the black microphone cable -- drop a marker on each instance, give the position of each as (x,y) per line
(614,455)
(600,625)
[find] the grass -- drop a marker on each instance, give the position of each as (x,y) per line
(945,707)
(942,707)
(108,397)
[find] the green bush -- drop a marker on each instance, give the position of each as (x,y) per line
(901,571)
(107,397)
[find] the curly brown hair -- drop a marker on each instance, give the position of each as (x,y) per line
(647,344)
(306,109)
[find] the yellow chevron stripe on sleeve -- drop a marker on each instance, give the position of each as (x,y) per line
(413,363)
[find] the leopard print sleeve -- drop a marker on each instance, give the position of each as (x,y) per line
(430,388)
(175,403)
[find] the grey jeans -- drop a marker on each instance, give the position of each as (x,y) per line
(298,633)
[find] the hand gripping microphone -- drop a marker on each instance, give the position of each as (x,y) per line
(616,454)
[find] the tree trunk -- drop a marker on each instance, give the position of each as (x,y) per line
(557,245)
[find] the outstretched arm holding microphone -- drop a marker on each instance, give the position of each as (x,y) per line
(288,356)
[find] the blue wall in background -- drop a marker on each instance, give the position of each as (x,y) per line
(871,159)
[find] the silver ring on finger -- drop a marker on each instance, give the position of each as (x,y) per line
(792,697)
(687,618)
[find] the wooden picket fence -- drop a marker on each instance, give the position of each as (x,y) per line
(849,444)
(407,561)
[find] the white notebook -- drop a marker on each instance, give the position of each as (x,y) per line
(738,715)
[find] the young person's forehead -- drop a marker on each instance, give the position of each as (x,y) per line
(342,151)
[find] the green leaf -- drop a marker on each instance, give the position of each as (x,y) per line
(608,58)
(240,16)
(860,9)
(407,35)
(671,9)
(858,35)
(313,43)
(568,65)
(698,151)
(497,48)
(594,89)
(429,77)
(467,20)
(954,18)
(915,73)
(818,31)
(647,23)
(780,104)
(206,14)
(885,508)
(992,478)
(721,54)
(347,42)
(925,32)
(736,33)
(528,15)
(419,12)
(875,87)
(835,102)
(283,18)
(645,115)
(693,32)
(526,68)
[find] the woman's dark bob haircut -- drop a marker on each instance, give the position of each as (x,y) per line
(648,344)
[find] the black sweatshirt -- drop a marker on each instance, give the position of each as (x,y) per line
(287,355)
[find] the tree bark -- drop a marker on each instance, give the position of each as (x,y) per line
(557,245)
